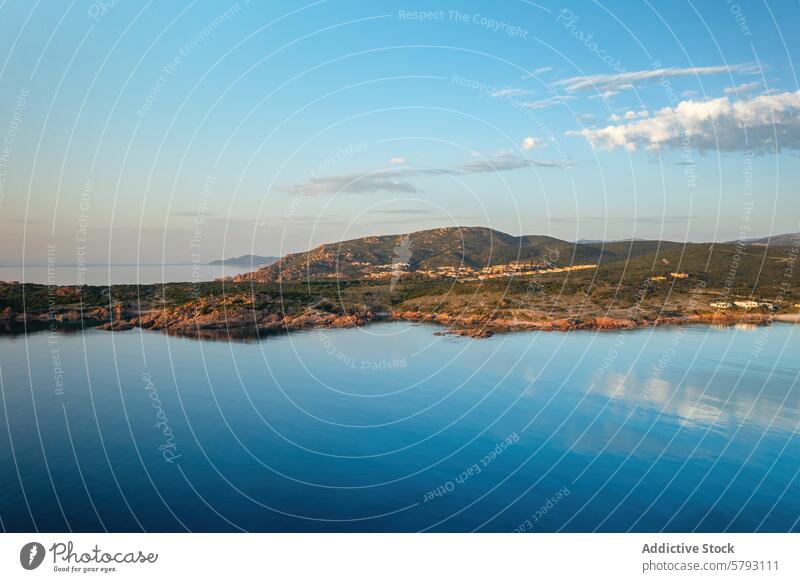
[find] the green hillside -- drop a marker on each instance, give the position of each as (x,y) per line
(471,247)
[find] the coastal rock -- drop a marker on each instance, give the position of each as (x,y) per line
(414,315)
(474,333)
(320,319)
(68,315)
(558,325)
(613,323)
(307,320)
(117,325)
(237,318)
(348,321)
(270,321)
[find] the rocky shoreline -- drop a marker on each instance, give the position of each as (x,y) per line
(189,319)
(186,318)
(485,327)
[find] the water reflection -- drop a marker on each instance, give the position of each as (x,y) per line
(353,422)
(741,325)
(721,393)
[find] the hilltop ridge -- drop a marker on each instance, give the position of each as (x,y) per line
(443,251)
(246,261)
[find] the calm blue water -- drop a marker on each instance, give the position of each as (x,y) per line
(674,429)
(117,274)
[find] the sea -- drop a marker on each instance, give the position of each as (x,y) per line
(392,428)
(117,274)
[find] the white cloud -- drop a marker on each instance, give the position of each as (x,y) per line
(763,123)
(511,92)
(609,93)
(398,161)
(744,88)
(501,164)
(629,116)
(548,102)
(610,84)
(539,71)
(396,179)
(530,143)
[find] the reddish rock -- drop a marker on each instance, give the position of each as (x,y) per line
(67,291)
(118,325)
(612,323)
(475,333)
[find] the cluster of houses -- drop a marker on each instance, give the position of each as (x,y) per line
(744,304)
(470,274)
(501,274)
(514,267)
(655,278)
(499,271)
(385,271)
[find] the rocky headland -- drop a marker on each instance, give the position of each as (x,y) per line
(241,316)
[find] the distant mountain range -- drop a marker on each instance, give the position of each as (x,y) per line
(776,240)
(246,261)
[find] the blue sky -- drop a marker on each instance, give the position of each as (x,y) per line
(149,132)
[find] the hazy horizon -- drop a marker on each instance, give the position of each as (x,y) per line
(392,233)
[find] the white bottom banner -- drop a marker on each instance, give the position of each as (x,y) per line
(355,557)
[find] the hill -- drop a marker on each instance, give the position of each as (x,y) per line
(776,240)
(246,261)
(445,251)
(596,241)
(412,277)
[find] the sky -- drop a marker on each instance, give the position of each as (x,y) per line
(152,132)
